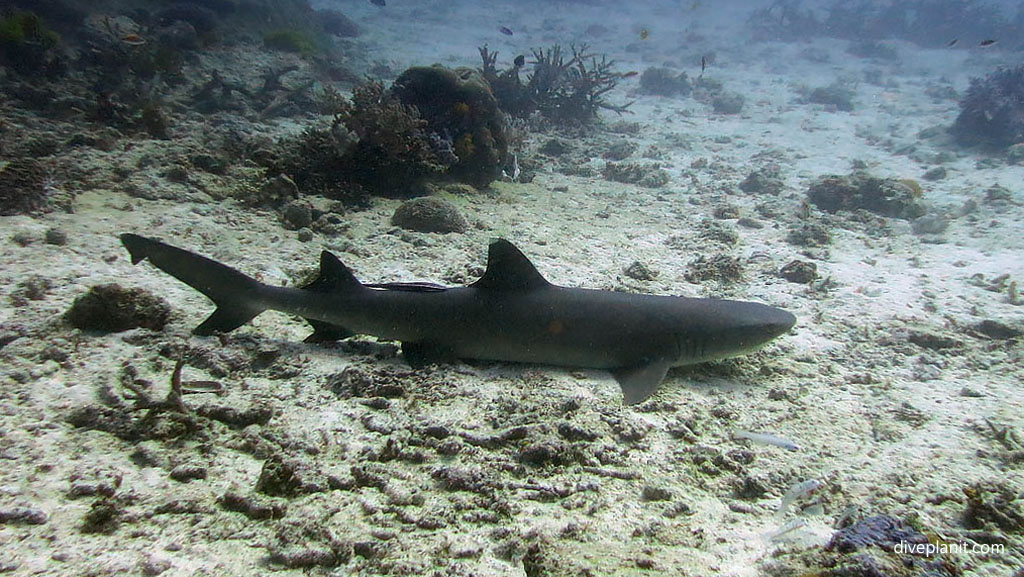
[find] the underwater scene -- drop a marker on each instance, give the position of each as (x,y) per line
(543,288)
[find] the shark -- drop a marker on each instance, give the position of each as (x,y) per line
(510,314)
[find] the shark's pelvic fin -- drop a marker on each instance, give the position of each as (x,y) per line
(235,294)
(420,354)
(326,332)
(508,269)
(640,382)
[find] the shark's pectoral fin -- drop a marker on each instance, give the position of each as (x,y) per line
(640,381)
(421,354)
(326,332)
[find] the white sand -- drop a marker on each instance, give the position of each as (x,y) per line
(881,421)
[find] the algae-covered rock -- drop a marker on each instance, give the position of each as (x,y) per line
(24,187)
(113,308)
(664,82)
(647,175)
(859,190)
(876,546)
(728,103)
(799,271)
(836,95)
(991,504)
(429,215)
(766,180)
(27,45)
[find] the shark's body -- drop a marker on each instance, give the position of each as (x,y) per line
(510,314)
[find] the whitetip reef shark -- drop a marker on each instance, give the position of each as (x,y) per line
(510,314)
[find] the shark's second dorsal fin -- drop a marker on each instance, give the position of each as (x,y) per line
(334,276)
(508,269)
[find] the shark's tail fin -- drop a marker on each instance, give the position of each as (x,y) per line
(236,295)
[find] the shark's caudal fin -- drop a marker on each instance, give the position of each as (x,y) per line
(235,294)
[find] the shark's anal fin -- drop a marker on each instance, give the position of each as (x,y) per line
(226,318)
(420,354)
(641,381)
(326,332)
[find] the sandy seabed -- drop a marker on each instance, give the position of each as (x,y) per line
(342,460)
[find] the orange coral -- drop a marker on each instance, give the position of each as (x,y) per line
(915,187)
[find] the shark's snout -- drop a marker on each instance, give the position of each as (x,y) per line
(778,322)
(765,323)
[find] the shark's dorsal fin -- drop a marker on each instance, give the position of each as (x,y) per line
(508,269)
(334,276)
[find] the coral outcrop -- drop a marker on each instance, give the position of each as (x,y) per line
(992,111)
(27,45)
(463,122)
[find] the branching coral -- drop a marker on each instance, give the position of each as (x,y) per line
(393,150)
(992,111)
(564,88)
(375,144)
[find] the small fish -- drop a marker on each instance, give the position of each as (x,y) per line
(952,43)
(630,74)
(987,42)
(505,30)
(520,61)
(378,2)
(703,64)
(644,33)
(133,40)
(766,439)
(789,527)
(194,387)
(797,492)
